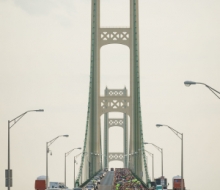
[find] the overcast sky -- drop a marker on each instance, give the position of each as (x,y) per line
(45,62)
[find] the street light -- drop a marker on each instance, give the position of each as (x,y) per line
(126,157)
(47,151)
(74,167)
(152,155)
(188,83)
(161,150)
(180,135)
(15,120)
(67,154)
(101,160)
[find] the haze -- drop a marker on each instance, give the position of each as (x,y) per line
(45,62)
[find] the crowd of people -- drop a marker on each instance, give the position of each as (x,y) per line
(124,180)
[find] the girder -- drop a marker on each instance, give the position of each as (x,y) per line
(116,156)
(114,36)
(115,92)
(115,122)
(115,104)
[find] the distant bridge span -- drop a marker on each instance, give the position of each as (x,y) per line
(115,100)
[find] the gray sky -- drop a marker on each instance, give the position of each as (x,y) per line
(45,58)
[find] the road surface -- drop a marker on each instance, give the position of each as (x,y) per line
(106,183)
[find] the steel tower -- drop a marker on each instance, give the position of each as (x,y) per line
(134,156)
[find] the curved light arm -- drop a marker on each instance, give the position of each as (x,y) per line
(67,153)
(52,141)
(158,148)
(22,115)
(178,134)
(188,83)
(77,155)
(149,153)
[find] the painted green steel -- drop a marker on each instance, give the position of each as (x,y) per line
(125,141)
(138,131)
(91,96)
(91,162)
(106,133)
(106,136)
(110,122)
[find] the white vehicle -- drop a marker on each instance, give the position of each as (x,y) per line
(98,181)
(94,181)
(97,178)
(89,187)
(57,186)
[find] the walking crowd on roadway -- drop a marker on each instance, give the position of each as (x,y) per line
(124,180)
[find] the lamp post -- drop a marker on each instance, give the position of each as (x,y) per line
(132,156)
(15,120)
(152,155)
(126,160)
(188,83)
(180,135)
(74,168)
(101,161)
(161,150)
(66,154)
(91,164)
(47,151)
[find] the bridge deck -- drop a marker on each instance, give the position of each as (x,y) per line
(106,183)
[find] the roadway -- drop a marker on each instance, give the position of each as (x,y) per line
(106,182)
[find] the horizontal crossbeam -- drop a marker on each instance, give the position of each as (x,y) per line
(112,156)
(115,104)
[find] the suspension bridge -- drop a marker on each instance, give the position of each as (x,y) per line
(133,156)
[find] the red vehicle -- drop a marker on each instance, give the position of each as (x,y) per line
(177,183)
(40,183)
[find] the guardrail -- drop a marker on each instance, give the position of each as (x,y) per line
(83,184)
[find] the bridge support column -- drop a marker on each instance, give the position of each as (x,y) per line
(111,122)
(128,105)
